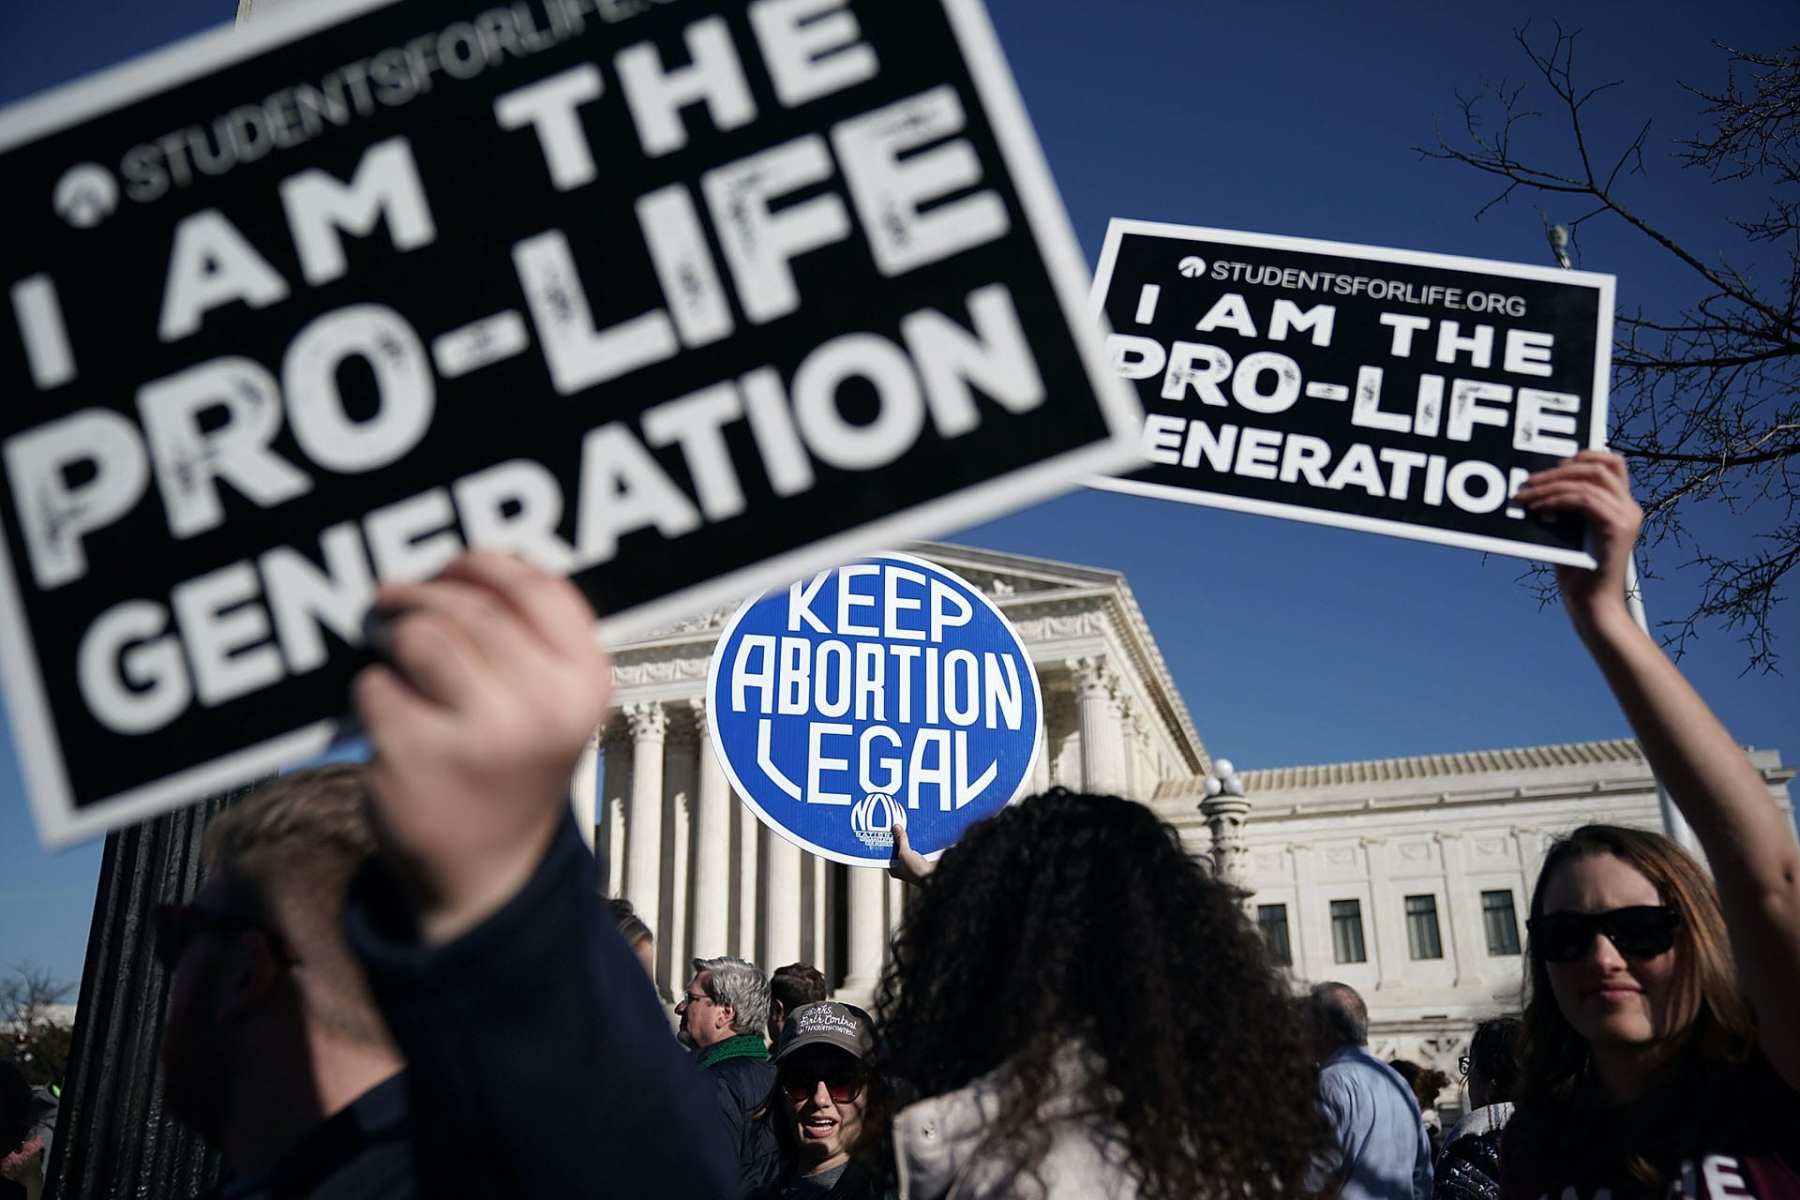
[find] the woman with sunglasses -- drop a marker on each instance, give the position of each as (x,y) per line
(830,1108)
(1661,1046)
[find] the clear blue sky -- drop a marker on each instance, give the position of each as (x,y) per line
(1291,643)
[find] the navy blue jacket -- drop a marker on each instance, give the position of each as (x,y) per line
(538,1059)
(363,1152)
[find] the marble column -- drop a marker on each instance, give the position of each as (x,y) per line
(584,788)
(1128,732)
(1062,740)
(782,894)
(1533,845)
(1040,769)
(1143,754)
(649,725)
(749,879)
(1386,919)
(1102,758)
(868,932)
(815,936)
(1462,919)
(615,787)
(712,846)
(679,780)
(1309,925)
(896,905)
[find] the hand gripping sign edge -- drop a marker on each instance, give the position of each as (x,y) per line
(719,716)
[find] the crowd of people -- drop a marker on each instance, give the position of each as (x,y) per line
(397,979)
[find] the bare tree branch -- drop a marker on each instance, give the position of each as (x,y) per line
(1705,399)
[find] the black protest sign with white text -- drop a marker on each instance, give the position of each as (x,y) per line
(681,297)
(1387,390)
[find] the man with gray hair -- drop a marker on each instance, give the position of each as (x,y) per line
(1380,1150)
(722,1016)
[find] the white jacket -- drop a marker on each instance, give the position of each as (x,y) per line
(937,1146)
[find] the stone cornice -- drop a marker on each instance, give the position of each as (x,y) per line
(1264,815)
(1620,758)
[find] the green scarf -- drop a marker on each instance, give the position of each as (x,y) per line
(744,1045)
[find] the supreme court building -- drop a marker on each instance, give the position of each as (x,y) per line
(1406,878)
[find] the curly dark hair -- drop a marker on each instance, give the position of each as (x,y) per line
(1073,917)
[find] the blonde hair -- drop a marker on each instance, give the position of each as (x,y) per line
(290,850)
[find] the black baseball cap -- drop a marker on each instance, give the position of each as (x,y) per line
(827,1023)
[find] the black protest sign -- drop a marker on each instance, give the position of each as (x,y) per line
(1385,390)
(684,298)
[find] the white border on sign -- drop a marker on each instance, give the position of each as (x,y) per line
(1294,512)
(47,784)
(716,741)
(1119,227)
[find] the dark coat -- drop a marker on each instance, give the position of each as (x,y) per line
(1470,1168)
(539,1061)
(858,1182)
(744,1087)
(363,1152)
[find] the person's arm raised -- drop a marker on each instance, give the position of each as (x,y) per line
(1752,850)
(496,682)
(538,1062)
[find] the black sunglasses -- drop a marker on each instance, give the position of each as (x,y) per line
(1642,931)
(177,925)
(842,1085)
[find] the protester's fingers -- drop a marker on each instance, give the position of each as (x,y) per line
(1590,480)
(433,654)
(1612,462)
(1597,473)
(392,712)
(1607,513)
(1576,496)
(554,608)
(479,616)
(907,864)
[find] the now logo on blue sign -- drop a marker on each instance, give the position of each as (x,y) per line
(883,691)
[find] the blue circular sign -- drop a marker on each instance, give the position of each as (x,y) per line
(889,689)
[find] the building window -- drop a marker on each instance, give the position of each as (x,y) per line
(1422,927)
(1346,931)
(1502,924)
(1272,920)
